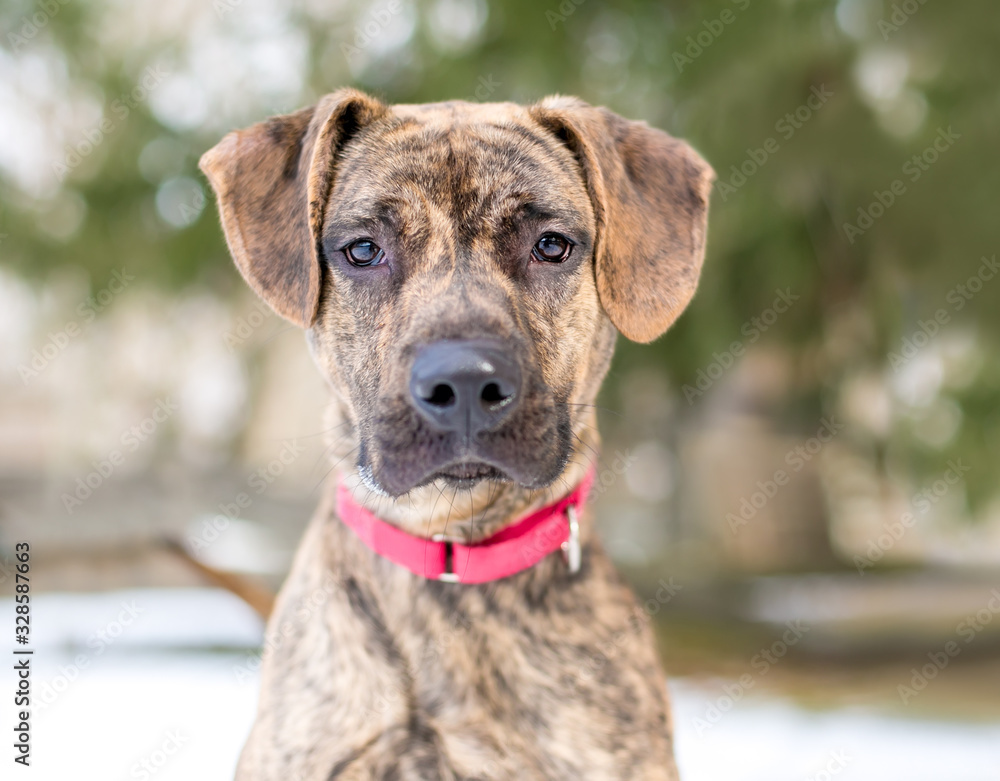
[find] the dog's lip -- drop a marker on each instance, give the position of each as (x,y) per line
(401,465)
(470,471)
(460,473)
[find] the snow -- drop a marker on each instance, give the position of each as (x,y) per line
(110,696)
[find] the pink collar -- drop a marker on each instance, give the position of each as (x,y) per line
(511,550)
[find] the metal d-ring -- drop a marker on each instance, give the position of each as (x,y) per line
(571,548)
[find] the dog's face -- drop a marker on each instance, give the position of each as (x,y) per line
(449,234)
(462,268)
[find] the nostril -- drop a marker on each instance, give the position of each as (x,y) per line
(492,395)
(464,385)
(441,396)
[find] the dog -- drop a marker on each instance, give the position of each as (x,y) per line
(461,271)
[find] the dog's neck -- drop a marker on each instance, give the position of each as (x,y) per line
(472,514)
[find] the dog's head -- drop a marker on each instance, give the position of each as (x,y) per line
(461,268)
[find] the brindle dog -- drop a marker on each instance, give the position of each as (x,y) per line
(409,238)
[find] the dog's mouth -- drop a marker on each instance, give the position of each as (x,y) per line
(397,473)
(467,473)
(400,456)
(403,448)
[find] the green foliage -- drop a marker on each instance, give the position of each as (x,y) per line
(724,86)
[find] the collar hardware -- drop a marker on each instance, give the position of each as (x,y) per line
(571,548)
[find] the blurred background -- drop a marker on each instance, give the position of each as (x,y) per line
(800,479)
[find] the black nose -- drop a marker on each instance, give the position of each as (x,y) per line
(467,386)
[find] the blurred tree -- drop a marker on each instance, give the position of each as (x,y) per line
(855,144)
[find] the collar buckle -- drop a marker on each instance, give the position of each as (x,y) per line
(448,576)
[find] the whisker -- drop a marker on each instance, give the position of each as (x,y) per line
(338,463)
(327,451)
(278,333)
(592,406)
(318,433)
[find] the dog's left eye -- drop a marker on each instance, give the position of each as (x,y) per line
(552,248)
(364,253)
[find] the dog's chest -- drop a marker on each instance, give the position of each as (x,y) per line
(537,677)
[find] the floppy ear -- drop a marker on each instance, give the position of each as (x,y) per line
(650,196)
(272,182)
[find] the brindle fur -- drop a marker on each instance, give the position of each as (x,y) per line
(370,672)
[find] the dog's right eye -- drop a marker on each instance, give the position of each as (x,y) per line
(364,253)
(552,248)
